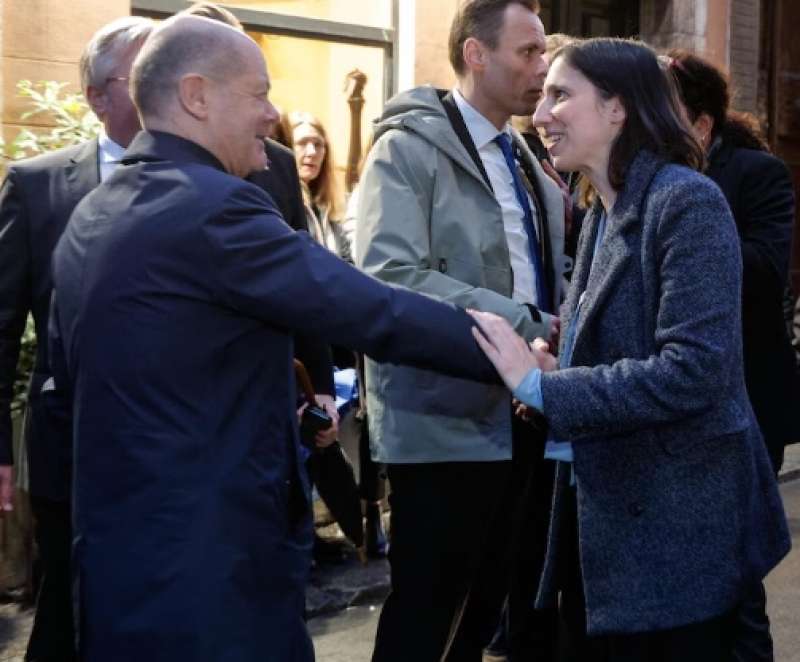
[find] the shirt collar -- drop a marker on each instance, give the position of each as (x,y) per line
(481,130)
(109,152)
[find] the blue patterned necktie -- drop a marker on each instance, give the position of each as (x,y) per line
(542,292)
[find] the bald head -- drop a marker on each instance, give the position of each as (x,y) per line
(206,82)
(186,45)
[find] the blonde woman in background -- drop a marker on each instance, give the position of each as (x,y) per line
(321,192)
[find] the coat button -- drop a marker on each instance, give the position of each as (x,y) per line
(635,509)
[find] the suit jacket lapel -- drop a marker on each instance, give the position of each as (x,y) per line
(83,171)
(598,274)
(583,264)
(544,198)
(550,207)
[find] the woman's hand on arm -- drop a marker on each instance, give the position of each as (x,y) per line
(509,353)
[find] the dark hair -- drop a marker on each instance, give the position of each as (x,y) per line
(704,88)
(215,13)
(629,71)
(483,20)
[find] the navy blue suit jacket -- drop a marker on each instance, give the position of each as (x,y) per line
(178,289)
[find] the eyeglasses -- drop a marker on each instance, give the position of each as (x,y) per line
(111,79)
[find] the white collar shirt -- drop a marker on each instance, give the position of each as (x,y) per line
(483,133)
(109,154)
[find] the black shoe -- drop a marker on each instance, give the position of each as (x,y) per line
(376,543)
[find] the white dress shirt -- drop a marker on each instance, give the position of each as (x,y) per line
(109,155)
(483,133)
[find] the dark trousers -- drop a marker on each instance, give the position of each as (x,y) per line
(52,637)
(371,474)
(707,641)
(527,634)
(450,526)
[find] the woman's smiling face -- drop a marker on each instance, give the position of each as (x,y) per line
(577,125)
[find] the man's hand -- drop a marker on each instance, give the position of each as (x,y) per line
(509,353)
(326,437)
(6,488)
(541,350)
(555,331)
(565,194)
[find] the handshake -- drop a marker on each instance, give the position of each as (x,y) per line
(511,355)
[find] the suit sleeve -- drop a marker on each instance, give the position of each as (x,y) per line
(697,306)
(15,298)
(286,279)
(392,236)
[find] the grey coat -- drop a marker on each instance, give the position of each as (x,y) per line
(428,221)
(678,509)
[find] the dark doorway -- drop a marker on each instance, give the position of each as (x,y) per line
(592,18)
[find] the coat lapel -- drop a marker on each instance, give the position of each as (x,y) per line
(83,171)
(597,275)
(550,209)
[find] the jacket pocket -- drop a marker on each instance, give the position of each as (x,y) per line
(477,274)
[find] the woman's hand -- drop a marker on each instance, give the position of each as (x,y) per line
(509,353)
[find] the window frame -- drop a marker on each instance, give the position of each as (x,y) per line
(318,29)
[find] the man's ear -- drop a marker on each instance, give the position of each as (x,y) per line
(473,53)
(193,93)
(97,100)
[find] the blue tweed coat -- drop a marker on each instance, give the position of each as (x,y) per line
(678,509)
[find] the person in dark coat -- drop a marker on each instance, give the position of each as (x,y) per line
(665,507)
(177,289)
(758,188)
(36,199)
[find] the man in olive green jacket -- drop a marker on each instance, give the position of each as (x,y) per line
(441,212)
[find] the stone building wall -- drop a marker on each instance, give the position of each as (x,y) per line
(42,40)
(432,64)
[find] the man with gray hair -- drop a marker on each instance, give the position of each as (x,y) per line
(36,200)
(178,288)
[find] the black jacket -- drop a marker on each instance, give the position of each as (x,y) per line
(178,288)
(759,190)
(36,200)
